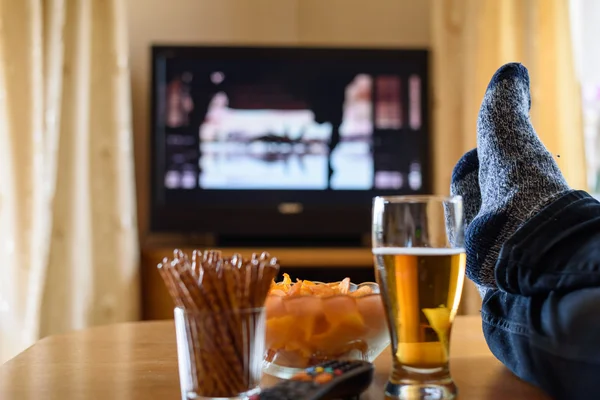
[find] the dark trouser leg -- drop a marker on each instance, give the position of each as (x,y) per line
(543,322)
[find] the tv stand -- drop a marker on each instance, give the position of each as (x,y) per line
(353,241)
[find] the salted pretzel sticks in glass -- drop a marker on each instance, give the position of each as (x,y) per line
(223,299)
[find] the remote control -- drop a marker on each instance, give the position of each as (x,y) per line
(329,380)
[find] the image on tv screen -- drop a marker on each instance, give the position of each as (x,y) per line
(260,126)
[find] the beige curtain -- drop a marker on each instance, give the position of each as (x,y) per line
(68,240)
(471,39)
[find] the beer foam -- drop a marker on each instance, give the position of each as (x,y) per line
(416,251)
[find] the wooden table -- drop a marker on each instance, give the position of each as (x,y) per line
(138,361)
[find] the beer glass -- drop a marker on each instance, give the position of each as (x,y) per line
(419,256)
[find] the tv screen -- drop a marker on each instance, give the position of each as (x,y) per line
(291,130)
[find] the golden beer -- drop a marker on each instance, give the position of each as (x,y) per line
(421,288)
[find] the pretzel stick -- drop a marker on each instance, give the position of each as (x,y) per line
(169,283)
(230,276)
(196,262)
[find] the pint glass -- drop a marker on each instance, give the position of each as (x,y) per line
(419,256)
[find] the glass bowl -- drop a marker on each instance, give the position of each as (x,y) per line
(306,330)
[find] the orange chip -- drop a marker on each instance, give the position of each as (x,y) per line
(361,291)
(303,288)
(322,290)
(295,289)
(286,279)
(372,311)
(279,331)
(345,329)
(275,307)
(344,286)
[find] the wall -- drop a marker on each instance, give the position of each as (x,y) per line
(399,23)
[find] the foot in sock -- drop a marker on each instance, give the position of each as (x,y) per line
(517,174)
(465,183)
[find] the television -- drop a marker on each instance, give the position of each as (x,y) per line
(284,145)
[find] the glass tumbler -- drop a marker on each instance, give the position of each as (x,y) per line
(419,257)
(220,353)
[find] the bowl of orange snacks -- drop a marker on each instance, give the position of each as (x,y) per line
(312,322)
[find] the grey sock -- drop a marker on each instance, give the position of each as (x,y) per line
(517,174)
(465,183)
